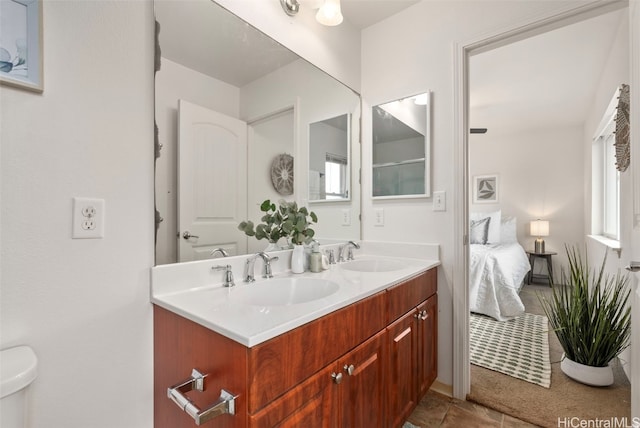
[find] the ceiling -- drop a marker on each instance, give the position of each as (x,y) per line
(547,79)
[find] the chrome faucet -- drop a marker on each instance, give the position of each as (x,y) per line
(219,250)
(228,275)
(350,245)
(251,261)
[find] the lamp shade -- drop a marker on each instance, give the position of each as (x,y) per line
(330,13)
(540,228)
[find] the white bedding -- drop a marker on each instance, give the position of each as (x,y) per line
(496,274)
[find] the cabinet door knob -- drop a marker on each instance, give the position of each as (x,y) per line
(424,315)
(337,378)
(349,369)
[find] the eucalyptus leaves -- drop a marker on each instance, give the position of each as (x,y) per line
(286,220)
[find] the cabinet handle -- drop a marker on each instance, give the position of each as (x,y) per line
(337,378)
(422,315)
(349,369)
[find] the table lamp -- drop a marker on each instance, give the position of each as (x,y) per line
(539,228)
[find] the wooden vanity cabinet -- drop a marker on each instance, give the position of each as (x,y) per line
(427,344)
(365,365)
(413,344)
(347,393)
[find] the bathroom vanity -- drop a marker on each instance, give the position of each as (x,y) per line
(364,358)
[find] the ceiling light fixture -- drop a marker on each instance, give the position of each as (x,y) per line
(329,11)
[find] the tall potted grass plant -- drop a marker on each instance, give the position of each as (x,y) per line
(590,315)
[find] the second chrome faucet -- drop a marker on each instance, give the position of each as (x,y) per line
(250,265)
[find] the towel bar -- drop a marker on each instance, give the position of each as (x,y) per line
(225,404)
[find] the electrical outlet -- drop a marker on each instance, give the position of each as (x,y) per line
(88,218)
(379,217)
(439,201)
(346,217)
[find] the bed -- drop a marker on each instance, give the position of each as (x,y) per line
(498,266)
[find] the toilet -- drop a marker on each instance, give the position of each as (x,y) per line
(18,368)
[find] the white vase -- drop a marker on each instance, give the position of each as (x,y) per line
(297,259)
(273,246)
(594,376)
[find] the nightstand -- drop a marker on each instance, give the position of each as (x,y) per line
(533,256)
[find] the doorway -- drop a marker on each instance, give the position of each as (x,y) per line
(463,54)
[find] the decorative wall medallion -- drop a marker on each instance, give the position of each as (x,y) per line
(622,144)
(282,174)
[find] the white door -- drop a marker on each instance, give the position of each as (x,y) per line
(212,183)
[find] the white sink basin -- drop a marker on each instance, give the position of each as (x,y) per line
(284,291)
(373,265)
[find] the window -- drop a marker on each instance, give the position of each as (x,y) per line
(606,179)
(335,169)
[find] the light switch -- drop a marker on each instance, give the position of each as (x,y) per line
(379,217)
(440,201)
(346,218)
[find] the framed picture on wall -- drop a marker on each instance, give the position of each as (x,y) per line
(21,44)
(485,189)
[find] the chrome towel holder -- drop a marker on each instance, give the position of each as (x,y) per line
(224,405)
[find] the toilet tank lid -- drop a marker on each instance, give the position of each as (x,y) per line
(18,368)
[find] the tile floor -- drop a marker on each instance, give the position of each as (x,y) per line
(436,410)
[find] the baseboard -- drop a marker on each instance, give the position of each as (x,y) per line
(442,388)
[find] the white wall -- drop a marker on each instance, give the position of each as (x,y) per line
(82,305)
(615,73)
(541,175)
(415,47)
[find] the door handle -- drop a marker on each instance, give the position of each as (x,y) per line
(187,235)
(337,378)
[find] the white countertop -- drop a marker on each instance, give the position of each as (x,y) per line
(213,306)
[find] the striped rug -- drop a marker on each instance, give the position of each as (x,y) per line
(518,348)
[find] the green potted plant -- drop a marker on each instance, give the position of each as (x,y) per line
(284,221)
(590,315)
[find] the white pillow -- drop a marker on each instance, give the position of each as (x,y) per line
(494,224)
(508,232)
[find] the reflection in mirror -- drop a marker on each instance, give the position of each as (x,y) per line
(229,102)
(329,159)
(401,148)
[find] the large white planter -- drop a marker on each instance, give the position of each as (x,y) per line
(594,376)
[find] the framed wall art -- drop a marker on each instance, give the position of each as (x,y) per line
(485,189)
(21,44)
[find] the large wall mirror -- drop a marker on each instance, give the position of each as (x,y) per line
(229,103)
(401,148)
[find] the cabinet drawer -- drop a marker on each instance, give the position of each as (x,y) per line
(310,404)
(281,363)
(406,296)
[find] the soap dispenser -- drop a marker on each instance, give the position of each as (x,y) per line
(315,261)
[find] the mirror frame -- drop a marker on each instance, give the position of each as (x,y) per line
(427,151)
(349,161)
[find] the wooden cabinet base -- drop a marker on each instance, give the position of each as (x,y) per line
(365,365)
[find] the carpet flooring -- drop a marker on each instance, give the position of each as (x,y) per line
(565,399)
